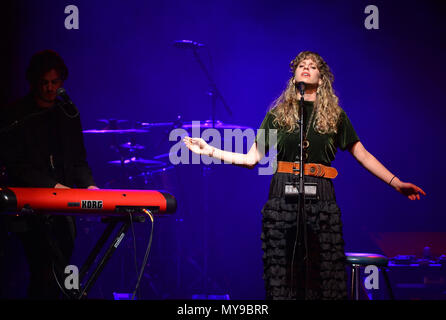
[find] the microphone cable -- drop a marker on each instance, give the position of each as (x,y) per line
(134,248)
(58,283)
(146,256)
(66,113)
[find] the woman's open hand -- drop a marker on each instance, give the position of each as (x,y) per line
(409,190)
(197,145)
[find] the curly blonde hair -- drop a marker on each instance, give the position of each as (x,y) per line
(286,106)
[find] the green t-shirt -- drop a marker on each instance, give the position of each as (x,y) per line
(322,147)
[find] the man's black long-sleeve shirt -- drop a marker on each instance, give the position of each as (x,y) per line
(42,147)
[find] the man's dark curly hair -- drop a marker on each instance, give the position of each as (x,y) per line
(43,62)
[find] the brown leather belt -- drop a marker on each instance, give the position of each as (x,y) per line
(310,169)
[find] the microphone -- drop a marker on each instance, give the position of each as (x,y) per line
(301,87)
(187,44)
(61,92)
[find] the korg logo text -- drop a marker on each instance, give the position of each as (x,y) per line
(91,204)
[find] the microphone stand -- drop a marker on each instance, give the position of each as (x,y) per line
(214,92)
(301,199)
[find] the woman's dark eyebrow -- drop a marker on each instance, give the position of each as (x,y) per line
(310,64)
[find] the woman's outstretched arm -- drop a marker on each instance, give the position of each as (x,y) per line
(248,160)
(368,161)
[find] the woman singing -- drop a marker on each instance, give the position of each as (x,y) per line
(305,259)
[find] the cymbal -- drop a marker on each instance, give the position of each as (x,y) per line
(156,124)
(188,124)
(139,161)
(117,131)
(113,126)
(208,124)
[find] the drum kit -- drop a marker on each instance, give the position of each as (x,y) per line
(138,171)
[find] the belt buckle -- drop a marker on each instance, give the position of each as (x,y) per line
(295,168)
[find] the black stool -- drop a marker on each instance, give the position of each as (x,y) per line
(358,260)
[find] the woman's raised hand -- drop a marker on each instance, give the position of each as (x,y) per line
(197,145)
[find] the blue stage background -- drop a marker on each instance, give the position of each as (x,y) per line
(123,65)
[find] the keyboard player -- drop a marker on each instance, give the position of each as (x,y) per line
(41,146)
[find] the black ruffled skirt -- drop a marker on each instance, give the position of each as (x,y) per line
(317,268)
